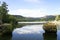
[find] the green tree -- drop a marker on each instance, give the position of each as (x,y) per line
(13,21)
(4,12)
(9,20)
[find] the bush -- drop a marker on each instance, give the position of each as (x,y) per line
(49,26)
(7,28)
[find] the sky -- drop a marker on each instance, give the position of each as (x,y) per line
(33,8)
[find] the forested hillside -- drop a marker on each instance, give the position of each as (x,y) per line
(45,18)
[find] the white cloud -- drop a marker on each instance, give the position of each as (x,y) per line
(34,12)
(29,30)
(35,1)
(28,12)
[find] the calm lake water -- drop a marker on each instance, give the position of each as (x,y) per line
(32,32)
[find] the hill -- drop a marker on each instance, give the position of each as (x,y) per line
(45,18)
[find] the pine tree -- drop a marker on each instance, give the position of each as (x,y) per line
(4,12)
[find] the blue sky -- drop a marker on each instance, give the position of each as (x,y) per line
(33,8)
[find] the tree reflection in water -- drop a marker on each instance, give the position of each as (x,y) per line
(50,36)
(5,37)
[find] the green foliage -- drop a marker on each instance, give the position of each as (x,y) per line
(9,22)
(7,28)
(13,21)
(4,12)
(49,26)
(57,17)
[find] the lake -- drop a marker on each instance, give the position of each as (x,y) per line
(32,32)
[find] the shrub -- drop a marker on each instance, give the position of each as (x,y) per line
(7,28)
(49,26)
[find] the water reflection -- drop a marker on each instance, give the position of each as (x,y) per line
(5,37)
(50,36)
(32,32)
(58,35)
(28,37)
